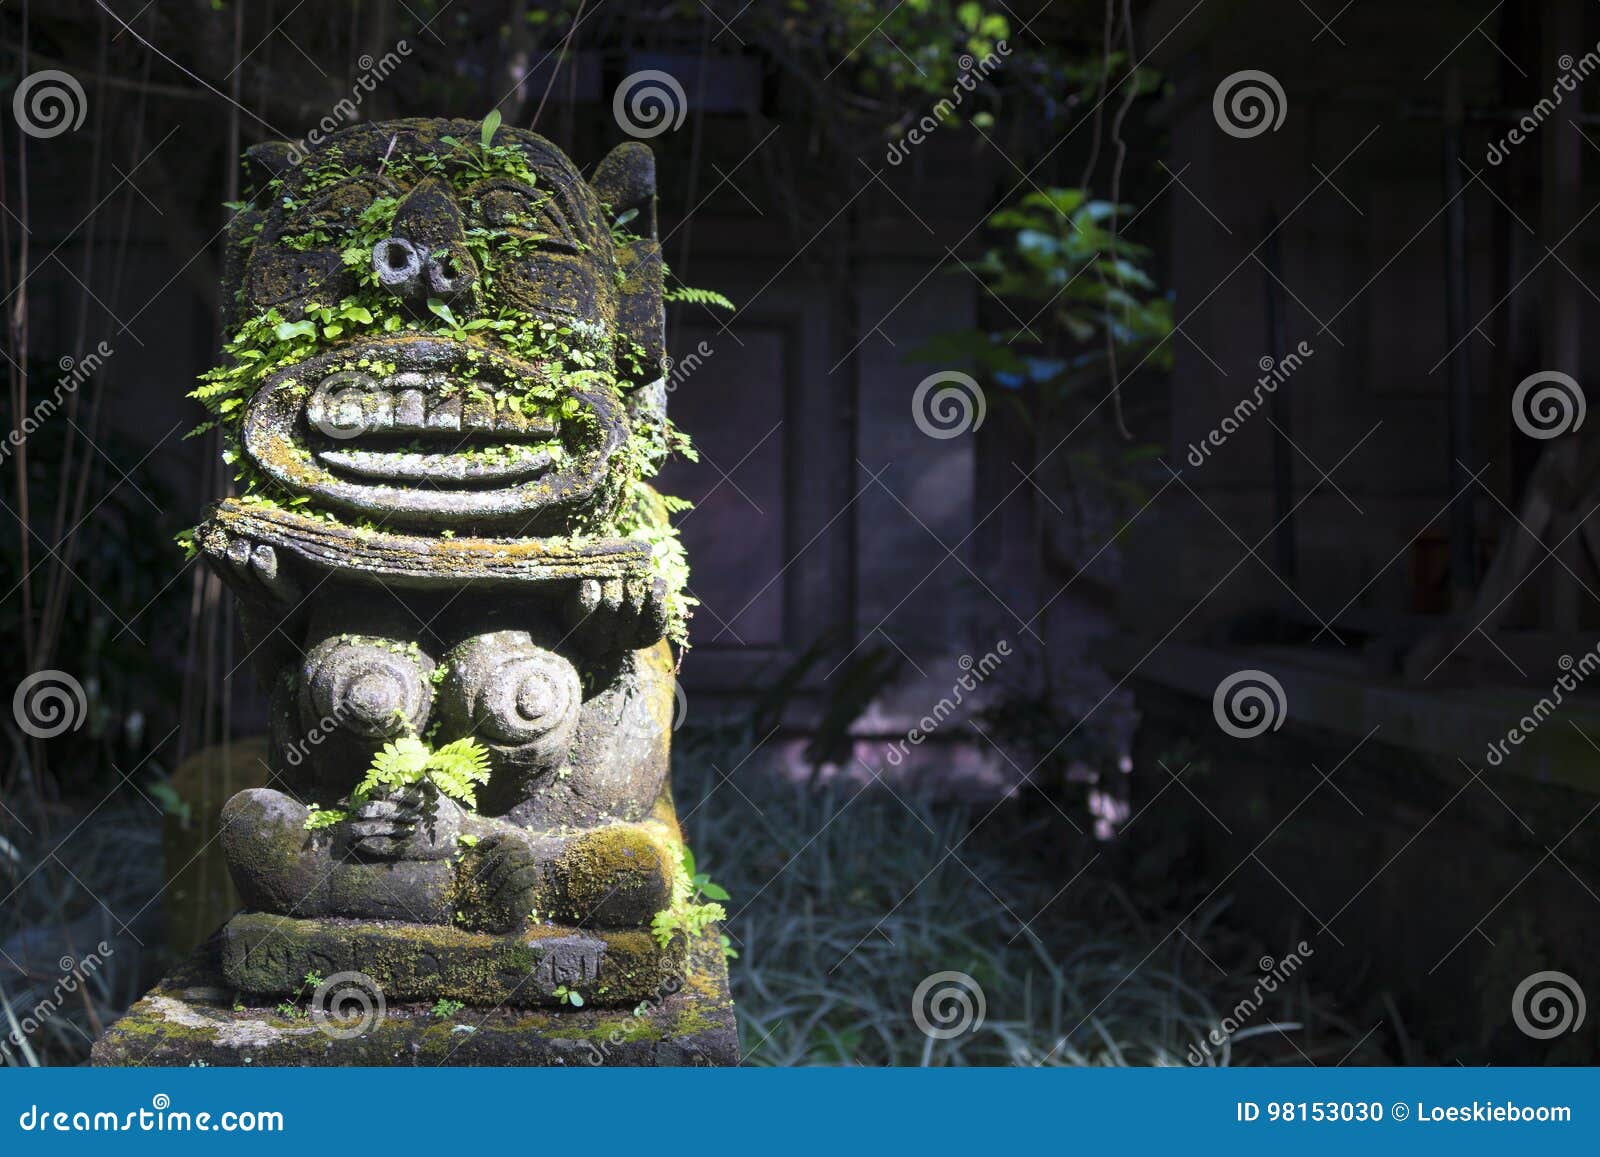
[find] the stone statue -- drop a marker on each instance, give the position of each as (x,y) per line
(444,398)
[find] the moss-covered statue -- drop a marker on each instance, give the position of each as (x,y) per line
(443,398)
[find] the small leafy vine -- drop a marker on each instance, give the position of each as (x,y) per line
(696,905)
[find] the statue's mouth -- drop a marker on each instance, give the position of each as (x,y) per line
(430,432)
(428,428)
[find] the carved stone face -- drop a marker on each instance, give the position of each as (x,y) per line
(482,364)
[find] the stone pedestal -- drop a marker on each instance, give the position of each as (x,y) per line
(193,1018)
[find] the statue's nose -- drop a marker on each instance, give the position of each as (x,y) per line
(399,265)
(408,270)
(426,256)
(450,271)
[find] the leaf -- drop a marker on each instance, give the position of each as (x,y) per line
(441,310)
(399,764)
(289,330)
(457,769)
(575,1000)
(714,891)
(698,297)
(983,351)
(490,124)
(171,802)
(321,817)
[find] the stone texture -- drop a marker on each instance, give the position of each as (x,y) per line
(444,402)
(265,955)
(190,1018)
(429,547)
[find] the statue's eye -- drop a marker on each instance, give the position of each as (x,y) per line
(333,214)
(528,215)
(508,208)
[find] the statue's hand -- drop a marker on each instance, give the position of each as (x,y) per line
(630,613)
(257,573)
(413,823)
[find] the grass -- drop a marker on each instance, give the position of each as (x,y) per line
(67,881)
(846,898)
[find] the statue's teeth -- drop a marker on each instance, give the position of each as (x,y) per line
(409,413)
(412,403)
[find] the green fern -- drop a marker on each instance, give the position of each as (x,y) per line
(694,905)
(319,817)
(455,770)
(697,297)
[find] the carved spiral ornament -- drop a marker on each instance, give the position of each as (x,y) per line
(368,687)
(514,692)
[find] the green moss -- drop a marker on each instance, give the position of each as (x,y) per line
(194,1018)
(264,954)
(144,1023)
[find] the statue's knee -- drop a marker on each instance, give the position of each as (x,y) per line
(271,856)
(615,876)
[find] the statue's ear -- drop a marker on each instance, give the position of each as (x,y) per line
(243,227)
(267,160)
(626,181)
(262,163)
